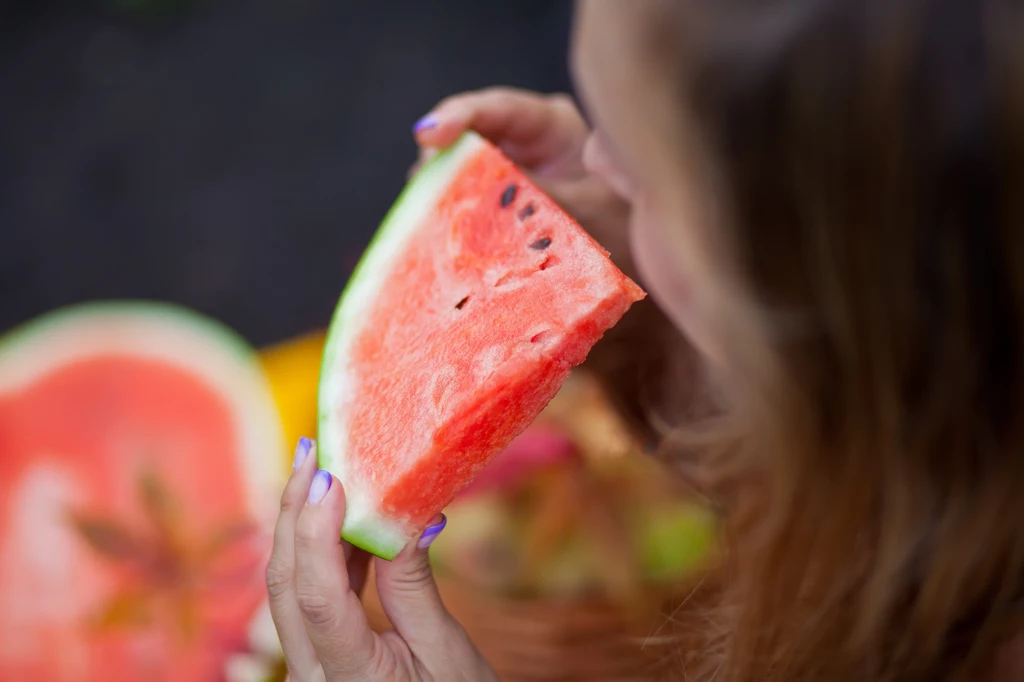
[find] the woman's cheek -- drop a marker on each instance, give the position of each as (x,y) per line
(671,268)
(599,162)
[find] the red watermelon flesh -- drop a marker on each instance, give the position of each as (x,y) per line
(139,474)
(463,319)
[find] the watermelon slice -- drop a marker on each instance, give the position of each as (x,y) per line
(139,475)
(473,302)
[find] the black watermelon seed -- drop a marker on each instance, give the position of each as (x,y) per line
(509,195)
(458,306)
(527,212)
(541,244)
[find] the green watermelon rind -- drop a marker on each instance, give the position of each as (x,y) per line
(244,384)
(364,526)
(45,323)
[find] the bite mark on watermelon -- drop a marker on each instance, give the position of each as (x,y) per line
(467,312)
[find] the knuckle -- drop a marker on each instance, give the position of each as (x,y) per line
(452,101)
(279,577)
(494,91)
(306,530)
(415,578)
(562,100)
(497,98)
(503,97)
(315,607)
(564,105)
(291,497)
(287,503)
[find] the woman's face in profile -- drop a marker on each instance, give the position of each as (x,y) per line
(639,132)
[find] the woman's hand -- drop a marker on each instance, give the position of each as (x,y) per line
(314,581)
(546,136)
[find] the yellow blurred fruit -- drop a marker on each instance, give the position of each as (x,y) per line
(293,367)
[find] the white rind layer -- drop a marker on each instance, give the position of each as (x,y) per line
(364,525)
(175,336)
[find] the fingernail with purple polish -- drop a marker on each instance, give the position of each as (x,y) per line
(321,484)
(431,533)
(301,452)
(425,123)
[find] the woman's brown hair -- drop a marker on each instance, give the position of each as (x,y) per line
(870,157)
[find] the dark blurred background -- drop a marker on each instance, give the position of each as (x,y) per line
(231,155)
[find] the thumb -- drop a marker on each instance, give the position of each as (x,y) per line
(413,603)
(408,591)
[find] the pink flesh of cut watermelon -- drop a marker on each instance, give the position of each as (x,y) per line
(465,317)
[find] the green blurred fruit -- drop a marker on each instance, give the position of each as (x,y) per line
(674,541)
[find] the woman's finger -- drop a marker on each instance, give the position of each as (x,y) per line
(413,604)
(333,616)
(358,562)
(535,130)
(424,156)
(284,607)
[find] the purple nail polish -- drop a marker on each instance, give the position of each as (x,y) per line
(301,452)
(321,484)
(431,533)
(425,123)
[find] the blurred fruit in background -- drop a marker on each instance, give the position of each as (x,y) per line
(573,554)
(293,368)
(545,524)
(140,474)
(571,510)
(559,559)
(572,507)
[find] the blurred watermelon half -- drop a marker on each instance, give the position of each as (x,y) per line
(139,474)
